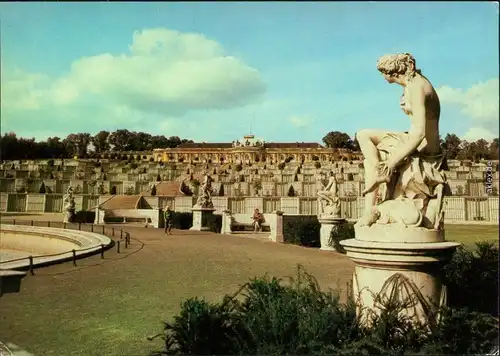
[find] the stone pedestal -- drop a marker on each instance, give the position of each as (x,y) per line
(226,222)
(399,262)
(198,218)
(329,225)
(276,225)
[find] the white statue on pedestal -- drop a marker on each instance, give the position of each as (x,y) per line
(205,198)
(328,200)
(407,165)
(69,205)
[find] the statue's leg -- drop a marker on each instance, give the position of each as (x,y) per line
(368,141)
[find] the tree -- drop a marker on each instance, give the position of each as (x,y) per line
(153,190)
(100,141)
(482,149)
(451,144)
(291,191)
(221,190)
(42,189)
(121,140)
(337,139)
(493,149)
(77,144)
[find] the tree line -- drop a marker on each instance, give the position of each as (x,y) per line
(84,145)
(454,146)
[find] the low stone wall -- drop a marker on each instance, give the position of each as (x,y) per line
(42,241)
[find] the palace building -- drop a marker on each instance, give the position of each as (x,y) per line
(250,149)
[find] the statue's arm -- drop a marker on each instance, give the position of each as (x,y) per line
(417,131)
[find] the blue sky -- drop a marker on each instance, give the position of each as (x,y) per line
(289,71)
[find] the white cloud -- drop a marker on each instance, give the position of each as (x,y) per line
(475,133)
(301,121)
(480,103)
(166,74)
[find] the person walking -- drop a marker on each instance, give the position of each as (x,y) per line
(168,220)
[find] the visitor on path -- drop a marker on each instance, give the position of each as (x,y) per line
(258,219)
(168,220)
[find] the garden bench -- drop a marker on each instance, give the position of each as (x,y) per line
(244,222)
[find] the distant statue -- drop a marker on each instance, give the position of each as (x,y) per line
(409,166)
(69,205)
(205,198)
(328,199)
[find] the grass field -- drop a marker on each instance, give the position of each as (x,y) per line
(109,307)
(470,234)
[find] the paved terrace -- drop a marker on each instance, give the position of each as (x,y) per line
(109,306)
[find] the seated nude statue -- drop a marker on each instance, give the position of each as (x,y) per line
(411,160)
(330,196)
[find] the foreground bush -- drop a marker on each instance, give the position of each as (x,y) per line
(269,317)
(472,278)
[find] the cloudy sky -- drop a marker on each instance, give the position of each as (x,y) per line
(214,71)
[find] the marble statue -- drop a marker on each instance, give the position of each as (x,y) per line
(407,167)
(205,197)
(69,205)
(328,199)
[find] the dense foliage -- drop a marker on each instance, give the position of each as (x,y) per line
(270,317)
(184,221)
(13,147)
(472,278)
(302,231)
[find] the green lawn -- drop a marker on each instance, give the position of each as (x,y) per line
(470,234)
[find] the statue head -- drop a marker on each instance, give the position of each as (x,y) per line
(397,65)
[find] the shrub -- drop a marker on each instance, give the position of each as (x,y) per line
(344,231)
(213,222)
(238,167)
(472,278)
(291,191)
(270,317)
(182,221)
(303,231)
(153,190)
(84,217)
(221,190)
(42,190)
(158,178)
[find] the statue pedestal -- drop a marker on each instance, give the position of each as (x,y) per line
(198,218)
(397,268)
(329,225)
(69,216)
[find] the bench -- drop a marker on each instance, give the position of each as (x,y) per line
(145,216)
(244,222)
